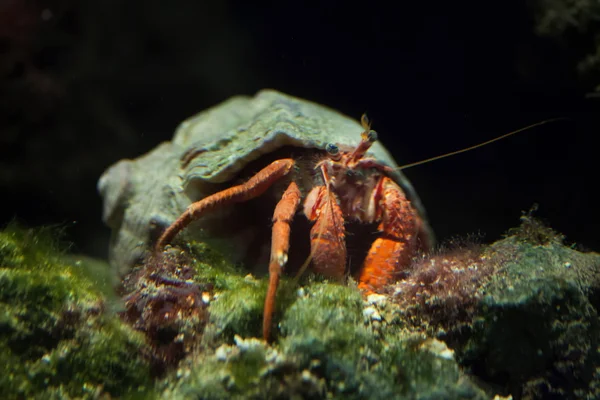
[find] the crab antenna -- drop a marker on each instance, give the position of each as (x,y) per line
(365,122)
(368,137)
(453,153)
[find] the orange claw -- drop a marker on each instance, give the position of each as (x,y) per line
(394,248)
(280,244)
(327,236)
(254,187)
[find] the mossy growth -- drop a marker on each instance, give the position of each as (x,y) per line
(56,340)
(537,326)
(327,348)
(327,319)
(331,342)
(327,332)
(237,307)
(534,231)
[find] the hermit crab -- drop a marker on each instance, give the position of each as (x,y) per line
(239,173)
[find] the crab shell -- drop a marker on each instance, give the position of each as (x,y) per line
(145,195)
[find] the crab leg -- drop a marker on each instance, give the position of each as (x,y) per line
(254,187)
(399,234)
(327,236)
(280,244)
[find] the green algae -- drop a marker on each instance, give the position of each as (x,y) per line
(326,324)
(326,349)
(328,327)
(237,307)
(532,330)
(56,340)
(537,328)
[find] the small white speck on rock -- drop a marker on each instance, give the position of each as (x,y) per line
(221,353)
(377,299)
(371,313)
(438,348)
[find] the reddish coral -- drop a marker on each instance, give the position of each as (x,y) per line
(165,302)
(444,288)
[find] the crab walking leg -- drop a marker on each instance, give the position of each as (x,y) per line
(399,234)
(327,236)
(280,244)
(254,187)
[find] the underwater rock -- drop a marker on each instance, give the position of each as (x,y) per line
(443,289)
(327,349)
(56,338)
(166,303)
(328,345)
(520,313)
(515,318)
(537,331)
(144,196)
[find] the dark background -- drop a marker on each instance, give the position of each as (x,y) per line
(86,83)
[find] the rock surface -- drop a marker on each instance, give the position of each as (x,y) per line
(516,318)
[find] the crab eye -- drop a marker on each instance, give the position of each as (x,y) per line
(372,136)
(332,149)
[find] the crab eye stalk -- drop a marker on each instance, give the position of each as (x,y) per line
(372,136)
(333,151)
(368,137)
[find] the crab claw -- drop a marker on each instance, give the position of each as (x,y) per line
(327,236)
(399,226)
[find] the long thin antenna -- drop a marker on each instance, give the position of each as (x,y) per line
(481,144)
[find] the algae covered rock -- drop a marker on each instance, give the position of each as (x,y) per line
(537,331)
(521,313)
(327,346)
(514,318)
(327,349)
(56,339)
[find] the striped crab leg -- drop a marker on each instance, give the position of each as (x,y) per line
(280,244)
(254,187)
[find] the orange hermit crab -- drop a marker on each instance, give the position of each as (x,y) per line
(306,155)
(347,184)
